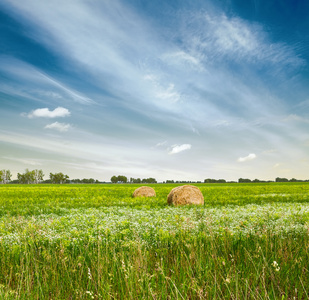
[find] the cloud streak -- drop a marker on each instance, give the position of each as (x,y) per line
(40,85)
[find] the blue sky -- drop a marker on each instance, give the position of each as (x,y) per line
(182,90)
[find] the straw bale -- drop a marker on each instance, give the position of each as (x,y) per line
(185,194)
(144,191)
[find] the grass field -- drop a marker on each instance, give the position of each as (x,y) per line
(249,241)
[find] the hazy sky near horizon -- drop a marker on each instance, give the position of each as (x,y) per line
(182,90)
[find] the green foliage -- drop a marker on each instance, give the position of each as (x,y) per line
(5,176)
(135,180)
(278,179)
(209,180)
(114,179)
(29,177)
(144,180)
(249,241)
(58,178)
(149,180)
(85,180)
(119,178)
(242,180)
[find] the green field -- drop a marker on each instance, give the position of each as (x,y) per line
(249,241)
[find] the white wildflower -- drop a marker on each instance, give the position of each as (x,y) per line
(276,266)
(89,274)
(90,294)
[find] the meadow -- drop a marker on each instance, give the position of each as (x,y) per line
(249,241)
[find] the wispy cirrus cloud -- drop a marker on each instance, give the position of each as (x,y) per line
(206,40)
(220,36)
(62,127)
(296,118)
(179,148)
(33,83)
(59,112)
(26,161)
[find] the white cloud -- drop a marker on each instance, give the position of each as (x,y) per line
(179,148)
(62,127)
(46,113)
(251,156)
(160,144)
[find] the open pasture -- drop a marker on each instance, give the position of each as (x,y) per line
(249,241)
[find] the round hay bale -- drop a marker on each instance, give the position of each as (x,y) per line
(144,191)
(185,194)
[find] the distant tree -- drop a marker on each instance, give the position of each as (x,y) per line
(34,176)
(114,179)
(47,181)
(15,181)
(38,175)
(27,177)
(210,180)
(59,178)
(21,178)
(76,180)
(122,178)
(294,180)
(90,180)
(242,180)
(144,180)
(5,176)
(170,181)
(278,179)
(149,180)
(135,180)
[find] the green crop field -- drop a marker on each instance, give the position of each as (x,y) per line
(249,241)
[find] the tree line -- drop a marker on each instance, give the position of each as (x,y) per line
(36,176)
(124,179)
(32,177)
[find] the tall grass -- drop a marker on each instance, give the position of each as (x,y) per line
(184,267)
